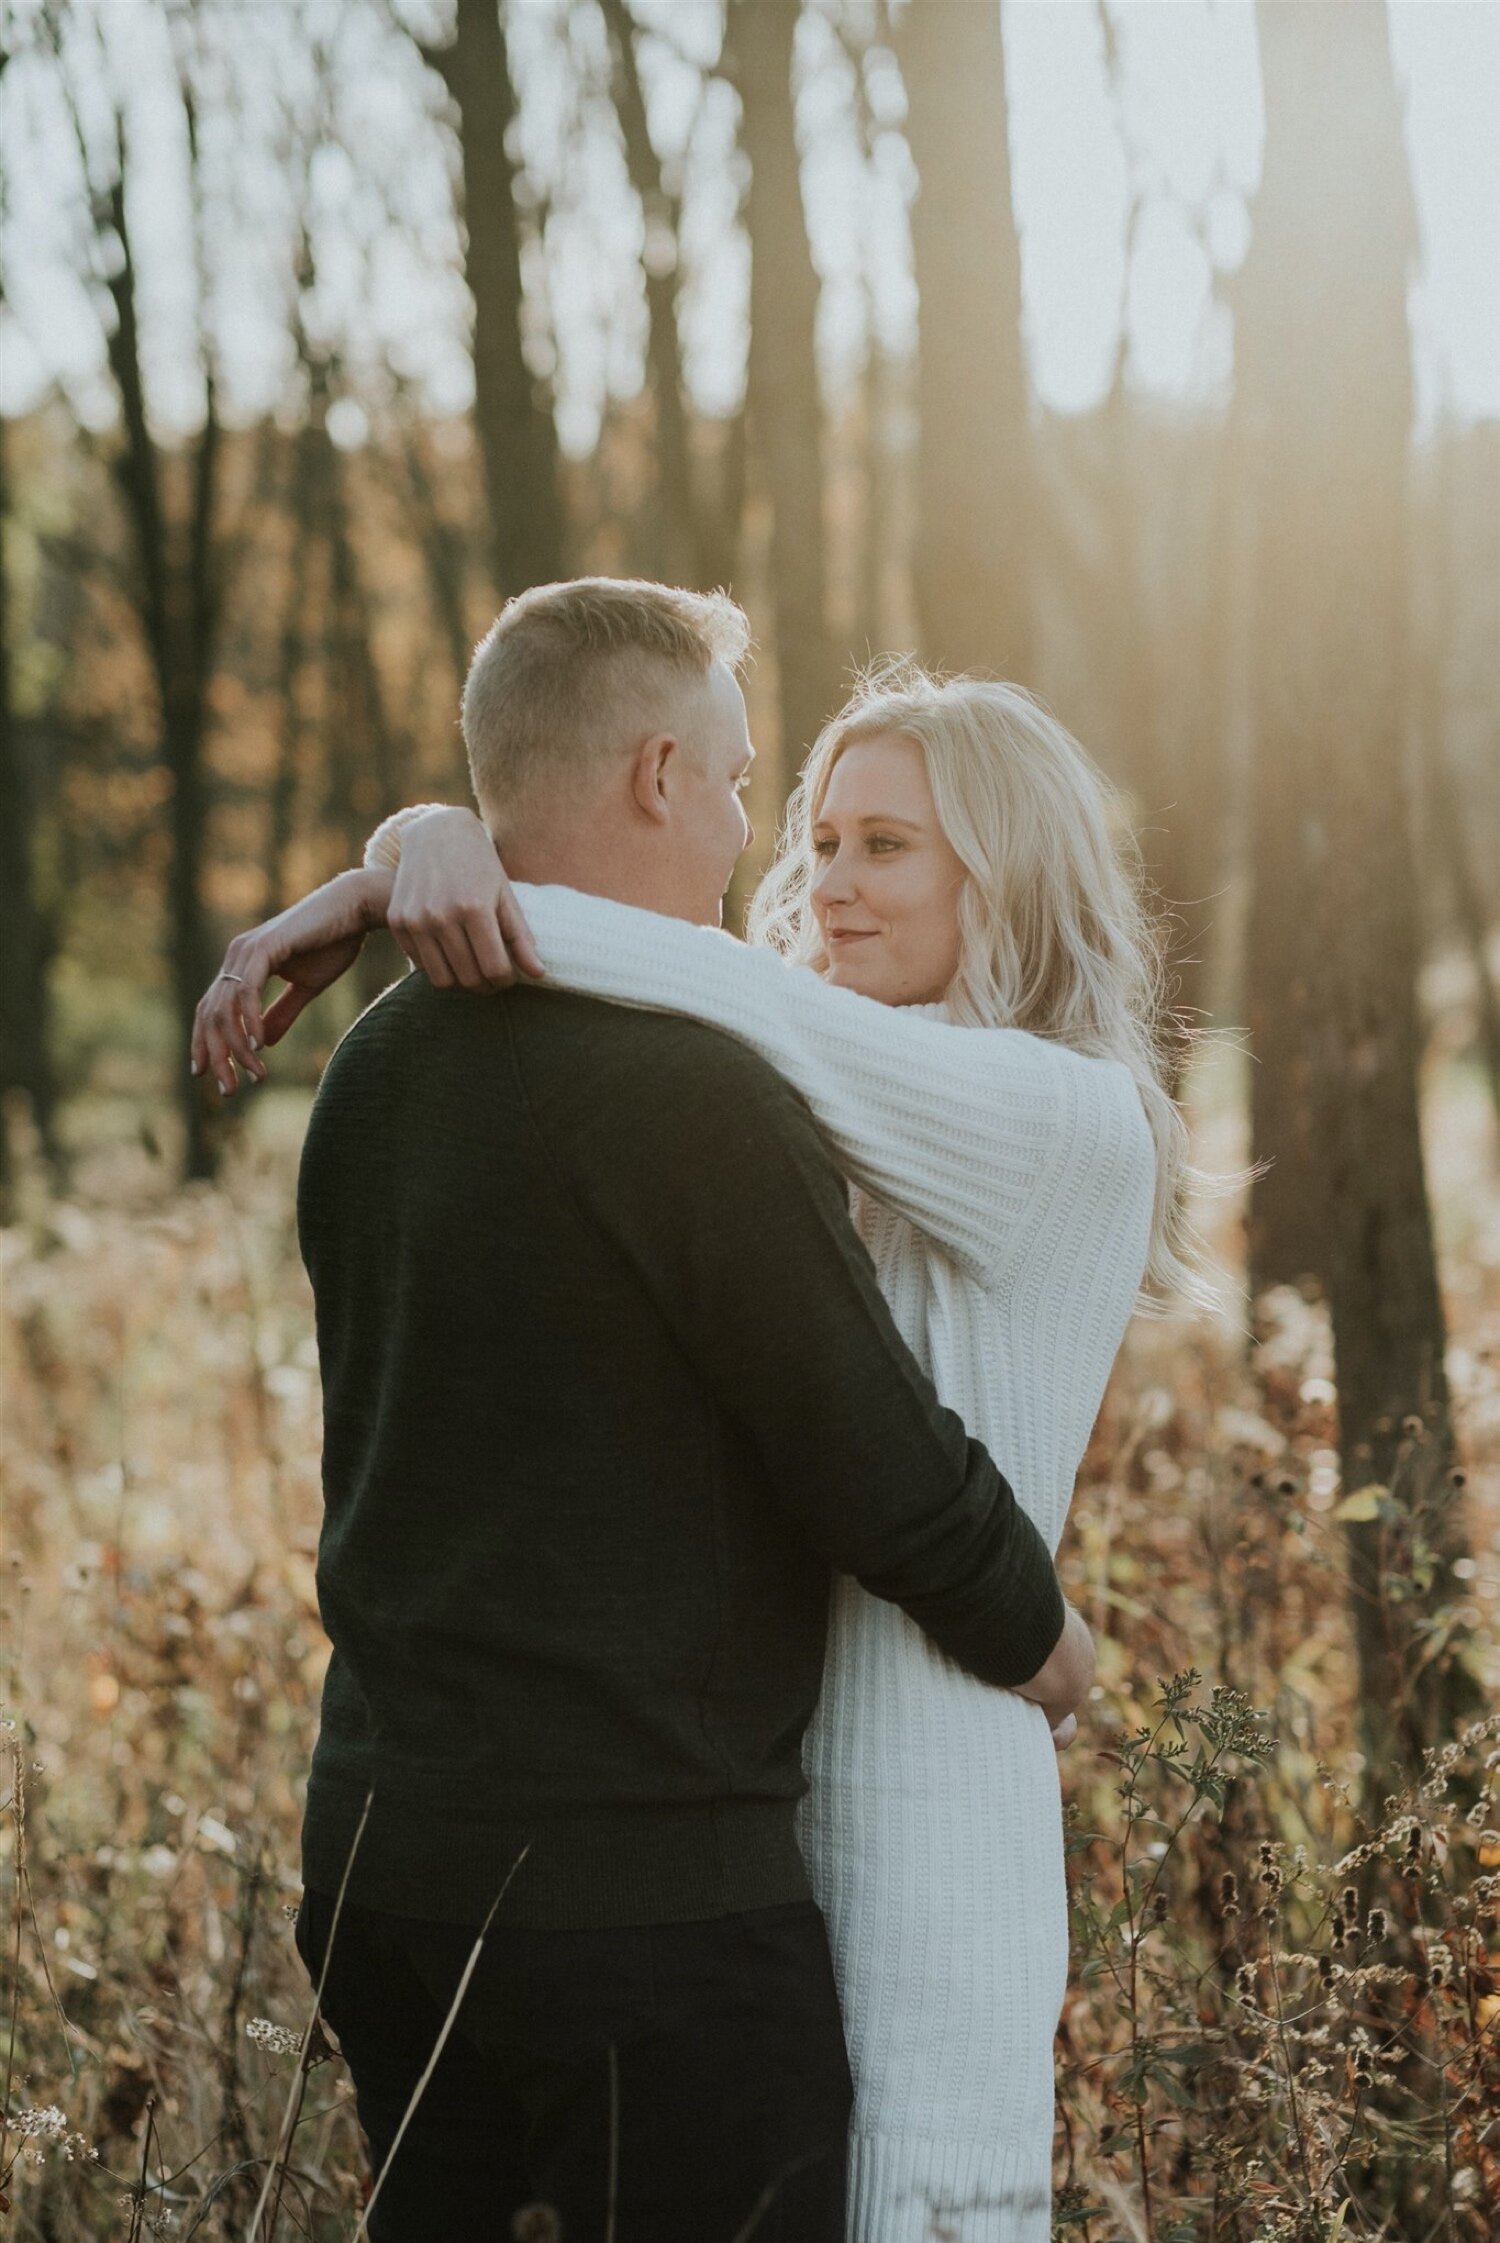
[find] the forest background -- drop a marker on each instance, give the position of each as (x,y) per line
(1146,354)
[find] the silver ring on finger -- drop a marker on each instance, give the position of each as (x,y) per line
(231,977)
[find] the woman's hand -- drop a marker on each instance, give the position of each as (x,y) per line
(1061,1685)
(452,909)
(308,947)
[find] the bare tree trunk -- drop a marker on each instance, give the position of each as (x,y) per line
(675,549)
(517,437)
(975,498)
(306,507)
(177,600)
(445,551)
(784,405)
(369,751)
(722,512)
(1326,364)
(25,1058)
(876,509)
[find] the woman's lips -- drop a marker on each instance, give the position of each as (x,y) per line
(849,934)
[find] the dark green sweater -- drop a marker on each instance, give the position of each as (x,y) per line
(609,1387)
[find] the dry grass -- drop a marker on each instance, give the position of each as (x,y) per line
(1254,2061)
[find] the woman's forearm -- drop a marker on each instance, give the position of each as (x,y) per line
(952,1127)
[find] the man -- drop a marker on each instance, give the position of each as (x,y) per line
(609,1388)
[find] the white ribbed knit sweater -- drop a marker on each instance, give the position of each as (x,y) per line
(1003,1187)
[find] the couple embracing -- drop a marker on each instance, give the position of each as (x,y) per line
(710,1333)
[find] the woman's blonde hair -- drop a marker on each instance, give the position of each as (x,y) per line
(1055,934)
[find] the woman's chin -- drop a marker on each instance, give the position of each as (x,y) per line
(863,976)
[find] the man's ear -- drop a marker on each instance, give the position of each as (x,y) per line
(649,774)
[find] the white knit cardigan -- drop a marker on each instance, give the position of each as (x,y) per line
(1003,1186)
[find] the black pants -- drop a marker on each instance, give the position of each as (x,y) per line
(672,2083)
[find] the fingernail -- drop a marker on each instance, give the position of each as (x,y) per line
(196,1068)
(225,1089)
(255,1043)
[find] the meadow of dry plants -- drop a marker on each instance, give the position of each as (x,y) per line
(1284,2020)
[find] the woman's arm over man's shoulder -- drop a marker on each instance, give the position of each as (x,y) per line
(955,1128)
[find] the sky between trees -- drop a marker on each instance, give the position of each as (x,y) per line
(1184,137)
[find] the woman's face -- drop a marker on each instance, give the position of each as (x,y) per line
(886,879)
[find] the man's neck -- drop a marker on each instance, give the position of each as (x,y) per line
(596,865)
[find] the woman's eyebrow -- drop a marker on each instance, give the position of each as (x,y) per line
(880,818)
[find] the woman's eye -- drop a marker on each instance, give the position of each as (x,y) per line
(883,842)
(824,848)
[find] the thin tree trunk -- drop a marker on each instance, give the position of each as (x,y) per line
(783,401)
(975,497)
(177,601)
(517,437)
(370,752)
(444,550)
(304,512)
(675,546)
(1325,359)
(876,510)
(721,519)
(25,1061)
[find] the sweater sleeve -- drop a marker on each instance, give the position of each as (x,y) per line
(954,1128)
(384,844)
(712,1180)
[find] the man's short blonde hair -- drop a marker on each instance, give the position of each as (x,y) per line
(569,674)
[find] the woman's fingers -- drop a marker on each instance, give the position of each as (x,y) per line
(236,1002)
(517,935)
(223,1037)
(1066,1731)
(423,945)
(220,1060)
(455,947)
(462,961)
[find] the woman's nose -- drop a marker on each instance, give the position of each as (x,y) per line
(833,878)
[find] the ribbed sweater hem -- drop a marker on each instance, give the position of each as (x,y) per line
(907,2188)
(577,1871)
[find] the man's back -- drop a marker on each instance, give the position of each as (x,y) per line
(556,1581)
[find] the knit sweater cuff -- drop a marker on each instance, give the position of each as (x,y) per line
(384,845)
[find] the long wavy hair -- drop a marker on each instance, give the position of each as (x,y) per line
(1056,936)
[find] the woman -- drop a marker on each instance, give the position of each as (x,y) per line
(1016,1166)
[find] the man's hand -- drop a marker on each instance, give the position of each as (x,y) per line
(308,947)
(453,910)
(1061,1685)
